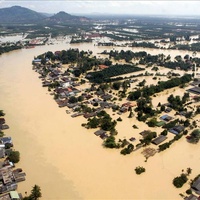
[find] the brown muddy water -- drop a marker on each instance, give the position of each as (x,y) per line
(68,161)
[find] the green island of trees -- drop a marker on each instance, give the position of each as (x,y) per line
(194,137)
(114,70)
(139,170)
(179,181)
(127,150)
(8,48)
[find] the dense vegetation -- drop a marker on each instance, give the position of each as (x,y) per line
(114,70)
(144,45)
(103,121)
(8,48)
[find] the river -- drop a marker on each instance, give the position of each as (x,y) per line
(68,161)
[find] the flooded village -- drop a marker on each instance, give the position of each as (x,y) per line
(92,101)
(102,109)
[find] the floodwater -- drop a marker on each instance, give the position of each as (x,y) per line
(68,161)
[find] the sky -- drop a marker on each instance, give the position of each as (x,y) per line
(109,7)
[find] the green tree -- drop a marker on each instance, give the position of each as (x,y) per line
(73,99)
(179,181)
(110,142)
(116,85)
(35,193)
(139,170)
(14,156)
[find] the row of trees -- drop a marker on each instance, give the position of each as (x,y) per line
(114,70)
(8,48)
(161,86)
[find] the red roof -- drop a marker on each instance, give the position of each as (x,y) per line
(103,66)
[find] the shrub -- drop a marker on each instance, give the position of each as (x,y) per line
(179,181)
(119,119)
(139,170)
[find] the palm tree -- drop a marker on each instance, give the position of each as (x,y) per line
(35,193)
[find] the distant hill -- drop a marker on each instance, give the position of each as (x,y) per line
(18,14)
(63,17)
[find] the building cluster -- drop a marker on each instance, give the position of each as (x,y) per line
(9,175)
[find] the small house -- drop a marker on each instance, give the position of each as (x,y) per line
(14,195)
(145,133)
(6,140)
(123,109)
(101,133)
(2,152)
(191,197)
(159,139)
(177,129)
(195,90)
(166,118)
(101,67)
(196,186)
(2,121)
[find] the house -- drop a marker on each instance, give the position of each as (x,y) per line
(196,185)
(195,90)
(145,133)
(166,118)
(195,83)
(159,139)
(6,140)
(2,151)
(101,67)
(76,115)
(88,115)
(132,139)
(103,136)
(2,121)
(5,197)
(177,129)
(191,197)
(106,97)
(14,195)
(123,109)
(46,83)
(129,104)
(105,104)
(160,123)
(168,109)
(36,61)
(62,103)
(4,126)
(101,133)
